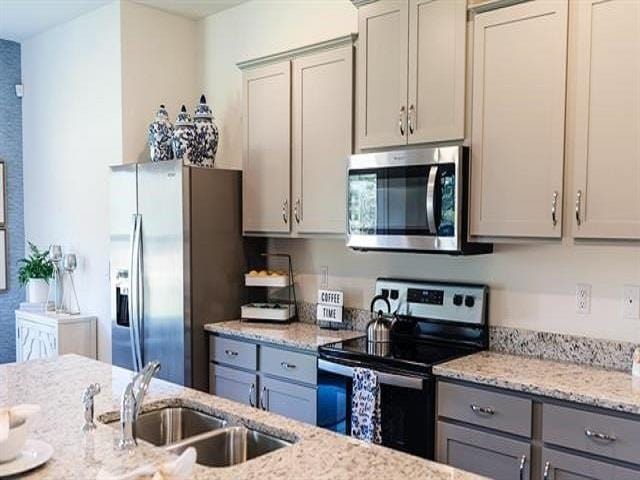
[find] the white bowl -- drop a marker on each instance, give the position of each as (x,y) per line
(12,446)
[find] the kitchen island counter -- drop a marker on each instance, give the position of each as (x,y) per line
(57,386)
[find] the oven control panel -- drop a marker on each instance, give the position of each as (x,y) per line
(453,302)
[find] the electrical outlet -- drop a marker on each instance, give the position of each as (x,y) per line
(631,302)
(583,298)
(324,277)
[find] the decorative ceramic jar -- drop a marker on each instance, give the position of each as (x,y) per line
(206,135)
(184,138)
(160,133)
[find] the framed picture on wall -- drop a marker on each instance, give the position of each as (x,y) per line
(3,195)
(3,260)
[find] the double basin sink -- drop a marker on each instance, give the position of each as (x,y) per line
(217,444)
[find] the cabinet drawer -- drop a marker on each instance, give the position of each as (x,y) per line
(287,364)
(595,433)
(233,352)
(488,409)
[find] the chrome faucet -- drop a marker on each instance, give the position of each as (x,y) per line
(131,404)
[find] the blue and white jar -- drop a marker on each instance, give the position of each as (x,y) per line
(184,138)
(206,135)
(159,137)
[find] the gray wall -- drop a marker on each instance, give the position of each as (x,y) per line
(11,154)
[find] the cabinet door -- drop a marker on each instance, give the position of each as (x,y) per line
(519,71)
(322,139)
(266,150)
(382,73)
(482,453)
(562,466)
(288,399)
(437,49)
(607,120)
(233,384)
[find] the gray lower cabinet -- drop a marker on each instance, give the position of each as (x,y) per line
(233,384)
(558,465)
(272,378)
(483,453)
(288,399)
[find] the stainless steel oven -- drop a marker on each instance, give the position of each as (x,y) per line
(413,200)
(407,403)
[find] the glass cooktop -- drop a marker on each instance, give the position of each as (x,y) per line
(401,355)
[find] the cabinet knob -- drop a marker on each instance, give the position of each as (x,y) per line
(578,204)
(401,119)
(410,119)
(296,211)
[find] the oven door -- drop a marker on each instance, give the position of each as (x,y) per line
(405,200)
(407,404)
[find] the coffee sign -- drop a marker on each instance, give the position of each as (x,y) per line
(330,303)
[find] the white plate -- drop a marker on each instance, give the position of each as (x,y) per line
(34,453)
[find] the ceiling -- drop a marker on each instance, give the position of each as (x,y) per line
(21,19)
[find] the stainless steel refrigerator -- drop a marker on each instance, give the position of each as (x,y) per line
(177,262)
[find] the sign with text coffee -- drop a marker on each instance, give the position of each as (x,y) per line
(330,304)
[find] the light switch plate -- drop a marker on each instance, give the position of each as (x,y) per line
(631,302)
(324,277)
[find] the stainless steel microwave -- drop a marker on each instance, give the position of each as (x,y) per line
(411,200)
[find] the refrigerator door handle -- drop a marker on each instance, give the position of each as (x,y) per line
(132,292)
(134,295)
(140,294)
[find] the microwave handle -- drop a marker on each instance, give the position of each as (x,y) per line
(431,194)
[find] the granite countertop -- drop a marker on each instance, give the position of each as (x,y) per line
(57,386)
(296,335)
(565,381)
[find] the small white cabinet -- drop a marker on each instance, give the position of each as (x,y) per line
(40,335)
(411,72)
(607,120)
(517,139)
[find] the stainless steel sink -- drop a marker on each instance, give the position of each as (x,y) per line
(170,425)
(230,446)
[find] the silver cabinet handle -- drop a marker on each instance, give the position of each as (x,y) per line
(285,207)
(554,206)
(545,475)
(482,410)
(599,436)
(401,121)
(578,202)
(410,119)
(252,389)
(262,396)
(231,353)
(287,366)
(523,461)
(296,211)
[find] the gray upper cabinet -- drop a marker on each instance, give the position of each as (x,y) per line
(322,139)
(266,149)
(606,148)
(483,453)
(558,465)
(437,48)
(411,72)
(383,32)
(517,139)
(298,135)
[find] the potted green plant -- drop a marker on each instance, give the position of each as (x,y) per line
(35,272)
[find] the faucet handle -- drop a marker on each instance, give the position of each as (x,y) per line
(87,401)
